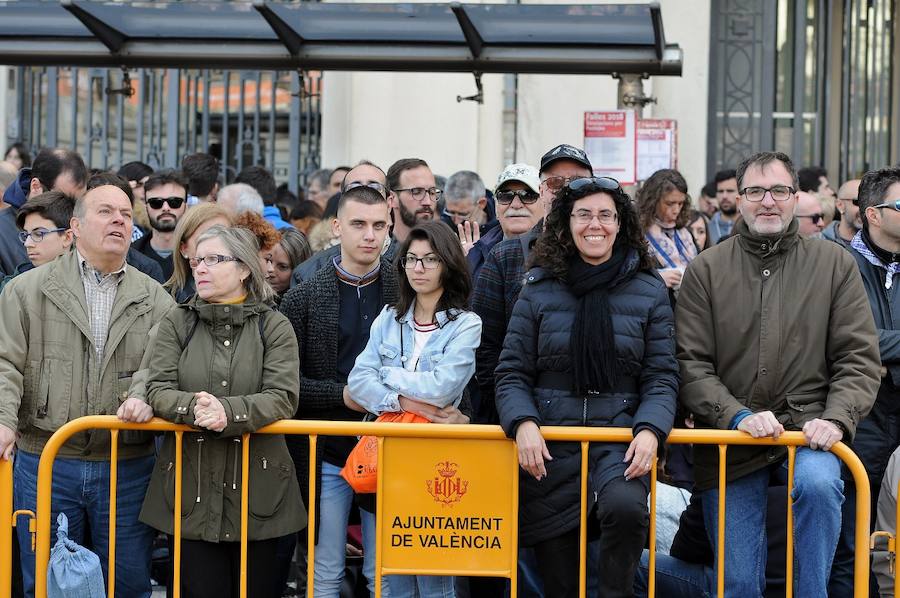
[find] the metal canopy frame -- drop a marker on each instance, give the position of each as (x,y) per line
(487,38)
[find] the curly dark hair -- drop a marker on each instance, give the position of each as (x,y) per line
(455,278)
(555,247)
(651,193)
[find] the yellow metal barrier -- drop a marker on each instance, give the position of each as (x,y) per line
(313,429)
(6,529)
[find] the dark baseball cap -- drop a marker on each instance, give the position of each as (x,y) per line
(565,152)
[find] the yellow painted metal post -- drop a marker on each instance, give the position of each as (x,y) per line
(863,512)
(113,485)
(720,548)
(176,542)
(582,534)
(893,547)
(245,503)
(311,519)
(789,558)
(44,486)
(6,527)
(514,565)
(379,513)
(651,582)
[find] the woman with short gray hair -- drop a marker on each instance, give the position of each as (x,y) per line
(226,364)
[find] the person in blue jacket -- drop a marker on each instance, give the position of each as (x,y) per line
(421,352)
(591,342)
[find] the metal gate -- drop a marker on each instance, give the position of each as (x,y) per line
(158,116)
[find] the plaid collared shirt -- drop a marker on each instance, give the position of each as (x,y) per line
(100,295)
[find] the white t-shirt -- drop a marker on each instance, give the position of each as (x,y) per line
(422,334)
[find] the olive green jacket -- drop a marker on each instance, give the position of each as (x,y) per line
(49,373)
(773,325)
(246,356)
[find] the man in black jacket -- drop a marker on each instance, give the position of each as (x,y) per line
(165,195)
(331,313)
(876,249)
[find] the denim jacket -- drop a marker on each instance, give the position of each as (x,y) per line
(446,363)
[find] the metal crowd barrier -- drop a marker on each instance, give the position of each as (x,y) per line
(429,432)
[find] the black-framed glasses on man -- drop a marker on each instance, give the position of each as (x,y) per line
(211,260)
(814,218)
(157,202)
(429,262)
(38,234)
(419,193)
(778,193)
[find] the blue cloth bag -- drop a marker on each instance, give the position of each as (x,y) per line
(74,571)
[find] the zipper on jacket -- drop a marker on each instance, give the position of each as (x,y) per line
(42,411)
(237,445)
(584,412)
(265,463)
(199,461)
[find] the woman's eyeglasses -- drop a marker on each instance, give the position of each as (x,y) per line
(211,260)
(429,262)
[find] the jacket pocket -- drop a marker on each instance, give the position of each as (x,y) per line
(269,482)
(190,481)
(389,354)
(53,394)
(802,401)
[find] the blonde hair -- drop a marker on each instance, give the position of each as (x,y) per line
(321,236)
(193,219)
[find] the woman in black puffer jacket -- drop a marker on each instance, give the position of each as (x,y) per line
(590,343)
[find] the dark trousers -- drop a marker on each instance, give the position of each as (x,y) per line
(622,519)
(877,436)
(213,570)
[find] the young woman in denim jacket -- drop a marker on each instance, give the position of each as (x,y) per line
(421,352)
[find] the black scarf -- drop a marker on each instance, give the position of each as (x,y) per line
(884,255)
(592,342)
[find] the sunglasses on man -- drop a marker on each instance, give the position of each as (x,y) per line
(157,202)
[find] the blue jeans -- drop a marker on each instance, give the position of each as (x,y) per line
(421,586)
(674,578)
(81,491)
(331,548)
(818,494)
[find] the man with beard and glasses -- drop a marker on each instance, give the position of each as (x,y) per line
(413,194)
(722,222)
(842,231)
(165,194)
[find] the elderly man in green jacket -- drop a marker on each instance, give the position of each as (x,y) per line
(74,333)
(775,333)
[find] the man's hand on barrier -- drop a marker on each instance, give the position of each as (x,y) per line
(641,452)
(7,442)
(762,425)
(209,412)
(532,449)
(135,410)
(822,434)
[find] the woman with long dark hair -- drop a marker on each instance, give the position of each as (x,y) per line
(665,209)
(421,351)
(590,343)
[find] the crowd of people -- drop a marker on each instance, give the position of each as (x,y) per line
(555,298)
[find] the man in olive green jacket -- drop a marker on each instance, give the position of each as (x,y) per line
(74,332)
(775,333)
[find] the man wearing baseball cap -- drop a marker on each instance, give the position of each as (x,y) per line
(518,211)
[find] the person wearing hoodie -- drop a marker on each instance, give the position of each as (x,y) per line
(53,169)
